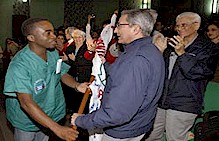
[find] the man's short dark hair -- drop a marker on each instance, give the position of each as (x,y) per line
(28,25)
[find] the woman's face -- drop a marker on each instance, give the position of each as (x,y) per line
(212,32)
(78,39)
(61,38)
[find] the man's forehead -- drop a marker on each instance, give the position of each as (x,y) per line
(123,18)
(44,25)
(184,19)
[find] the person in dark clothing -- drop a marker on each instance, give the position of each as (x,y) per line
(81,70)
(190,63)
(134,83)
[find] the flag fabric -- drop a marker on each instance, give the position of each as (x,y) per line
(97,88)
(98,85)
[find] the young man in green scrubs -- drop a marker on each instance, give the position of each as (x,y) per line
(35,99)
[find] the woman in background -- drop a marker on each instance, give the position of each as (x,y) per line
(212,32)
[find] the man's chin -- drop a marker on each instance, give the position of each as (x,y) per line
(51,48)
(120,41)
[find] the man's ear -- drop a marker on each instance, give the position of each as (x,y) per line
(136,29)
(197,25)
(30,38)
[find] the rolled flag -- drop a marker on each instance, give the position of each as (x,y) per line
(98,85)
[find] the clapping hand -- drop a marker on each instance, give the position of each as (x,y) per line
(178,44)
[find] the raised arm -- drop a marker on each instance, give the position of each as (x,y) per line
(88,28)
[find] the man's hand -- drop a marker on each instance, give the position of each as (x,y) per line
(64,57)
(116,12)
(160,42)
(178,43)
(72,56)
(91,46)
(73,118)
(65,133)
(81,87)
(37,114)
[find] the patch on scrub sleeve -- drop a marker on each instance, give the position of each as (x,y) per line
(39,85)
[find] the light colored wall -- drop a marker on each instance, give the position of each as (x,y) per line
(104,9)
(54,11)
(51,9)
(6,9)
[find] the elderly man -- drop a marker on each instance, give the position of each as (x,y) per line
(190,64)
(134,83)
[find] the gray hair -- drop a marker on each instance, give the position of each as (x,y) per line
(153,13)
(70,30)
(78,32)
(142,18)
(194,17)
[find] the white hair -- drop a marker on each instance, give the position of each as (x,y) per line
(140,17)
(194,17)
(153,13)
(78,32)
(70,30)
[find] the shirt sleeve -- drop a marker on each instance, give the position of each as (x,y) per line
(89,55)
(17,80)
(88,28)
(64,68)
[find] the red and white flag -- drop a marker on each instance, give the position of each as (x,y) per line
(98,85)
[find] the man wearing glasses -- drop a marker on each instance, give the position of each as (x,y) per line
(190,63)
(134,83)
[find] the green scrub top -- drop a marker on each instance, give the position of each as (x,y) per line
(28,73)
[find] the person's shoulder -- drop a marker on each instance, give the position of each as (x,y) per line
(70,48)
(21,54)
(205,42)
(202,39)
(24,58)
(147,47)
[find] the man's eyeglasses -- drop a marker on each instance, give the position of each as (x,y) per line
(119,24)
(184,25)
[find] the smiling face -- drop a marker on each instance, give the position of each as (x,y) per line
(185,27)
(42,35)
(61,38)
(213,32)
(78,37)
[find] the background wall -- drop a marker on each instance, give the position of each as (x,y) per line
(6,9)
(51,9)
(103,9)
(74,12)
(169,9)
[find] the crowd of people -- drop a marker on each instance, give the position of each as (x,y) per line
(156,77)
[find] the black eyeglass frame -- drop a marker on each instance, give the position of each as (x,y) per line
(119,24)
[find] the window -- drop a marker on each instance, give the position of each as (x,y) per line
(146,4)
